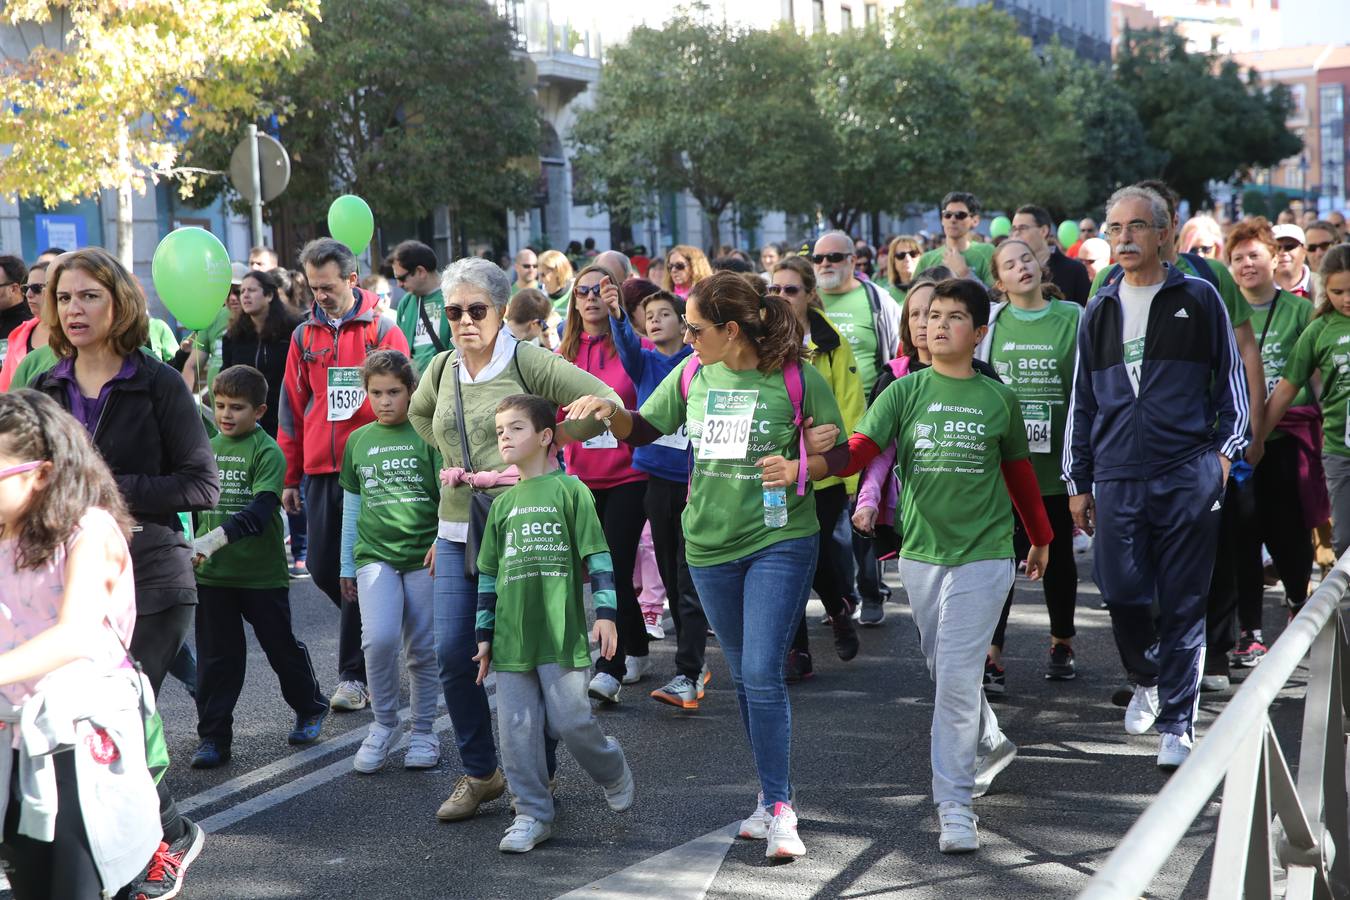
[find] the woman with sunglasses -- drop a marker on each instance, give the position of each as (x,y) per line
(31,334)
(902,258)
(752,577)
(606,467)
(1202,235)
(794,279)
(686,266)
(486,365)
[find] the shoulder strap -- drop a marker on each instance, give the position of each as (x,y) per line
(426,323)
(687,376)
(520,373)
(794,379)
(874,304)
(1202,267)
(460,424)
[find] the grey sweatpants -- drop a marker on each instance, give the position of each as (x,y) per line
(397,609)
(549,700)
(1337,469)
(956,609)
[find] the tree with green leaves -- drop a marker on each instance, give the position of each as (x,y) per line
(722,112)
(1211,122)
(410,104)
(101,104)
(890,115)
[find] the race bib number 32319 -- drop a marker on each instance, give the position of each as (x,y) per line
(346,393)
(727,419)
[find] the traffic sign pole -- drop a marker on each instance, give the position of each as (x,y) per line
(256,178)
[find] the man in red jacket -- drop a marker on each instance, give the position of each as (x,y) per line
(322,403)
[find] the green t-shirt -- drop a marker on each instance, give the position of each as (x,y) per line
(210,341)
(398,478)
(1034,354)
(952,434)
(560,304)
(537,536)
(411,324)
(851,313)
(978,256)
(752,418)
(1233,301)
(1276,336)
(249,465)
(1324,346)
(40,360)
(163,342)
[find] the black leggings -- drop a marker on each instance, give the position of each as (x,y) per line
(1061,574)
(665,507)
(622,514)
(64,867)
(1279,512)
(835,561)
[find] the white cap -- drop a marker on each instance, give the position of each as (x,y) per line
(237,272)
(1097,250)
(1289,230)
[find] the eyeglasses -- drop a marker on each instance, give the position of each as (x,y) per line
(528,265)
(402,278)
(1318,248)
(912,254)
(959,215)
(478,312)
(583,291)
(787,290)
(676,267)
(1023,228)
(819,258)
(39,288)
(1087,231)
(1288,246)
(1204,249)
(21,467)
(1114,229)
(696,330)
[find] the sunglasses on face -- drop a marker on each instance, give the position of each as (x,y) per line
(912,254)
(477,312)
(402,278)
(958,215)
(819,258)
(1318,248)
(1288,246)
(593,291)
(1204,249)
(38,288)
(696,330)
(676,266)
(528,266)
(786,290)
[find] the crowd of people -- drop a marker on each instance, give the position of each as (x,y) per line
(459,467)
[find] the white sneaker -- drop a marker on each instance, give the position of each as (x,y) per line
(349,696)
(636,668)
(604,687)
(655,631)
(959,834)
(756,828)
(988,766)
(1142,711)
(374,750)
(620,796)
(1173,751)
(524,835)
(424,751)
(783,840)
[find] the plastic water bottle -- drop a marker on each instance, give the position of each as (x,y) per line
(775,507)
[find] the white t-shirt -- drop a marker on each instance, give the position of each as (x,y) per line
(1135,301)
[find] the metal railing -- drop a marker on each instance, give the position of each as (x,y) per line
(1240,750)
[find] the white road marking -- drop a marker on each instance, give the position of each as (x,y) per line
(685,872)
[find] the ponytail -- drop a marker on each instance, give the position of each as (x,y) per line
(767,321)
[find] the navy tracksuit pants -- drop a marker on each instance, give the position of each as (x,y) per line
(1158,538)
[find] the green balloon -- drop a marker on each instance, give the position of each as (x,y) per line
(192,275)
(1000,226)
(351,222)
(1068,233)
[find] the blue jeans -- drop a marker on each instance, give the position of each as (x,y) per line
(456,609)
(753,605)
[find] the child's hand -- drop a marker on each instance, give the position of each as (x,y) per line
(1037,560)
(429,561)
(607,636)
(777,471)
(821,438)
(348,588)
(484,659)
(865,519)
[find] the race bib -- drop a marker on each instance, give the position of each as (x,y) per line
(1270,385)
(602,441)
(1036,417)
(421,338)
(346,393)
(678,441)
(727,420)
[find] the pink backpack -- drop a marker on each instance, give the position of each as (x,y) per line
(796,389)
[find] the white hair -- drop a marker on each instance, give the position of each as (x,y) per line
(1157,205)
(479,274)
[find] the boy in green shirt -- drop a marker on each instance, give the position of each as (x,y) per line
(531,623)
(961,450)
(241,575)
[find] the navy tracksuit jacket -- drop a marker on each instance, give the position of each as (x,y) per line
(1150,461)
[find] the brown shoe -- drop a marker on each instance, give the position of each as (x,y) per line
(469,794)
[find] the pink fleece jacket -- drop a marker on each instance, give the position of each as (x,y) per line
(607,467)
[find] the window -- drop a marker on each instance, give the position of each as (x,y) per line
(1299,94)
(1331,102)
(818,15)
(845,18)
(871,14)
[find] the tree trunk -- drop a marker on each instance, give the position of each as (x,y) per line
(126,225)
(714,228)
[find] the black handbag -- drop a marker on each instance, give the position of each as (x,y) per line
(480,502)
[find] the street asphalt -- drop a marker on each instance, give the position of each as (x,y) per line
(290,822)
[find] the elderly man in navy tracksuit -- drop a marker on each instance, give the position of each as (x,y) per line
(1158,414)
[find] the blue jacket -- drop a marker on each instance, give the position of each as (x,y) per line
(1191,378)
(647,369)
